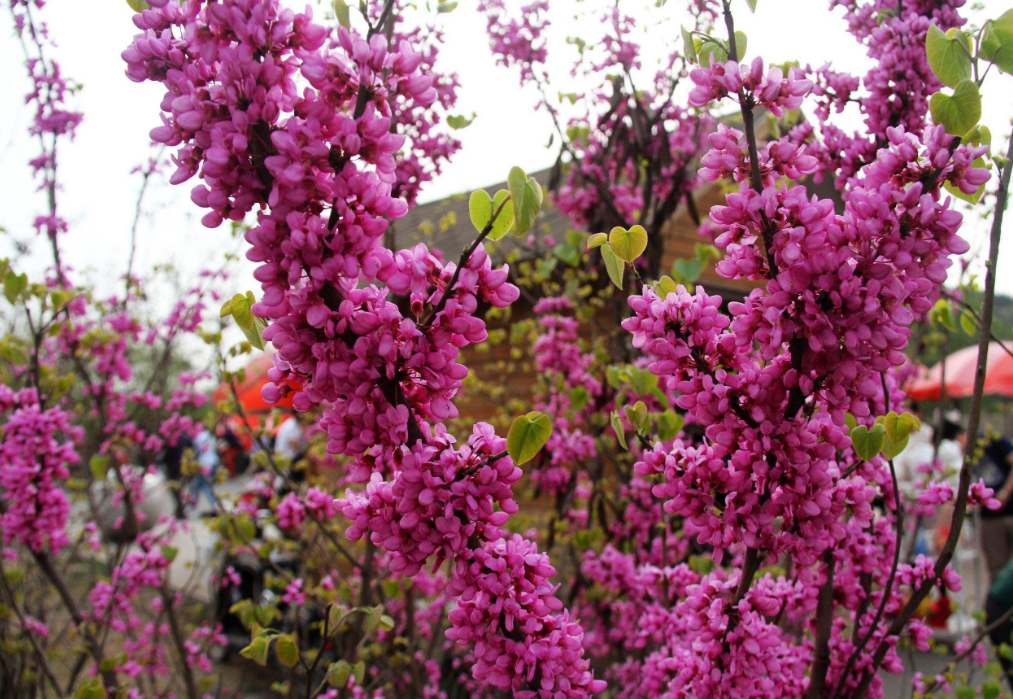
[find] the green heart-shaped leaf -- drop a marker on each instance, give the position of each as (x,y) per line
(288,652)
(868,443)
(528,434)
(630,244)
(665,286)
(636,414)
(959,112)
(338,674)
(257,650)
(14,284)
(505,219)
(997,42)
(949,55)
(480,209)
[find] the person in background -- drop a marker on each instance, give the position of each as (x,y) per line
(919,451)
(290,443)
(998,618)
(206,446)
(950,441)
(996,469)
(229,448)
(172,465)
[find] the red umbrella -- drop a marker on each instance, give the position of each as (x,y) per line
(960,368)
(248,391)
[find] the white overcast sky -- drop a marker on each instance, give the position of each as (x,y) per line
(99,189)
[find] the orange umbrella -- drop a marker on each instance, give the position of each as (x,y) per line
(248,392)
(960,368)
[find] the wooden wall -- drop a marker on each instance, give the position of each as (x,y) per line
(496,364)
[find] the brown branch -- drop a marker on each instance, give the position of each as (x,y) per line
(462,263)
(932,686)
(80,623)
(824,626)
(43,662)
(177,639)
(749,127)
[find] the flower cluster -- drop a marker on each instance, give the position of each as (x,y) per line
(509,611)
(436,499)
(38,445)
(896,90)
(517,41)
(771,90)
(319,165)
(565,366)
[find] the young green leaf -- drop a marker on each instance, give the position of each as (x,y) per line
(99,466)
(14,284)
(480,209)
(257,650)
(867,443)
(619,428)
(341,12)
(670,424)
(596,241)
(997,42)
(636,414)
(942,314)
(689,46)
(949,55)
(613,265)
(630,244)
(899,427)
(958,112)
(287,650)
(91,689)
(665,286)
(373,617)
(138,5)
(752,5)
(528,434)
(527,200)
(687,271)
(740,45)
(505,219)
(459,121)
(711,52)
(967,323)
(338,674)
(239,308)
(579,397)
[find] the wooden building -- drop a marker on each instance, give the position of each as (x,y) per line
(445,225)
